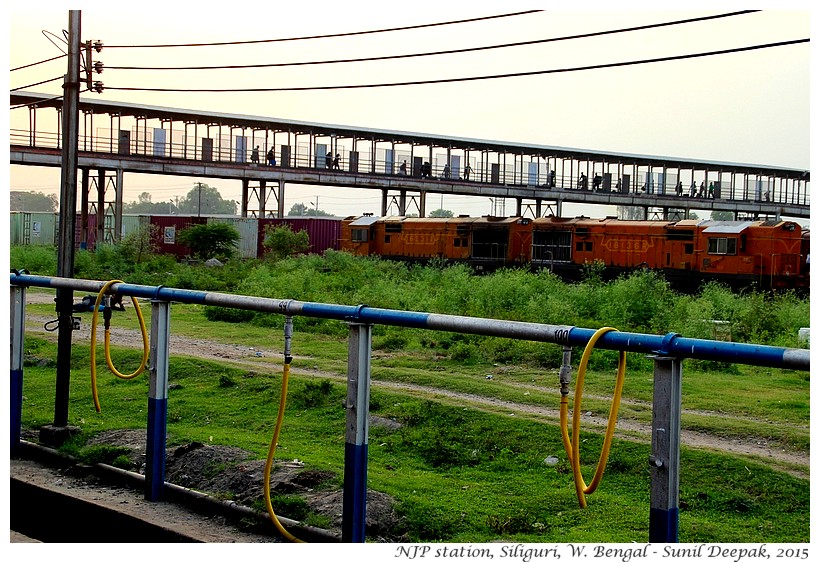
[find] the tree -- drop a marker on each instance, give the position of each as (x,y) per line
(205,200)
(136,246)
(302,210)
(32,201)
(722,216)
(144,206)
(212,240)
(441,213)
(281,242)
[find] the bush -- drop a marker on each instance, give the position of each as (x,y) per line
(212,240)
(228,315)
(313,394)
(281,242)
(38,260)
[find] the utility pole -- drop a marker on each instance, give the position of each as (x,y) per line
(59,431)
(199,200)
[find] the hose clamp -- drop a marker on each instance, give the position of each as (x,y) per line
(355,317)
(665,344)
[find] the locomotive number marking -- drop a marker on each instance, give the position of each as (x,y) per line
(420,238)
(627,245)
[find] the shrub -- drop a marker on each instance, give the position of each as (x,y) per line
(281,242)
(227,314)
(212,240)
(38,260)
(313,394)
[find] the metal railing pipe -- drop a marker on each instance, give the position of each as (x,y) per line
(670,344)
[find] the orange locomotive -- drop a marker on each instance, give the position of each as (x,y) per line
(768,254)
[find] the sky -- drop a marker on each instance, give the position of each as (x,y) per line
(750,107)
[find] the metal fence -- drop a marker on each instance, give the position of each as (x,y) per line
(668,352)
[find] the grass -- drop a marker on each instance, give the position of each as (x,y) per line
(459,474)
(462,469)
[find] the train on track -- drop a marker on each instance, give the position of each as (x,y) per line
(763,254)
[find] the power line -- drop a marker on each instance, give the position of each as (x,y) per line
(471,78)
(327,36)
(38,63)
(38,83)
(446,52)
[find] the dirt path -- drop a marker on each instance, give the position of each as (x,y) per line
(753,447)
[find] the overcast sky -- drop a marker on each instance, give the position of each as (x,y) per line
(747,107)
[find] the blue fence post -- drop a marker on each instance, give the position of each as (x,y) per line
(358,406)
(157,400)
(18,333)
(664,460)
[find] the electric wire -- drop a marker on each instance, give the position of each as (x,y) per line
(572,447)
(437,53)
(38,62)
(332,35)
(64,39)
(93,353)
(37,84)
(472,78)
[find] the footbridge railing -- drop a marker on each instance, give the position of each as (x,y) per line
(668,353)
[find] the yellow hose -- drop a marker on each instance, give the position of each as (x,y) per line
(572,447)
(272,452)
(145,346)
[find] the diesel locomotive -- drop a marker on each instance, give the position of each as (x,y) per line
(763,254)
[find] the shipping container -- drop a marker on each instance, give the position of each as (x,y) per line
(168,227)
(323,232)
(248,230)
(37,228)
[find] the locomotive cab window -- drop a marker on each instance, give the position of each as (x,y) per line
(722,245)
(358,235)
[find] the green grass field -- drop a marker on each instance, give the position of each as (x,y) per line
(477,415)
(463,471)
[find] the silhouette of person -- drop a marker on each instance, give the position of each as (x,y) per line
(552,178)
(403,168)
(467,170)
(336,162)
(446,172)
(679,189)
(582,181)
(255,155)
(328,161)
(711,189)
(596,182)
(693,189)
(271,157)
